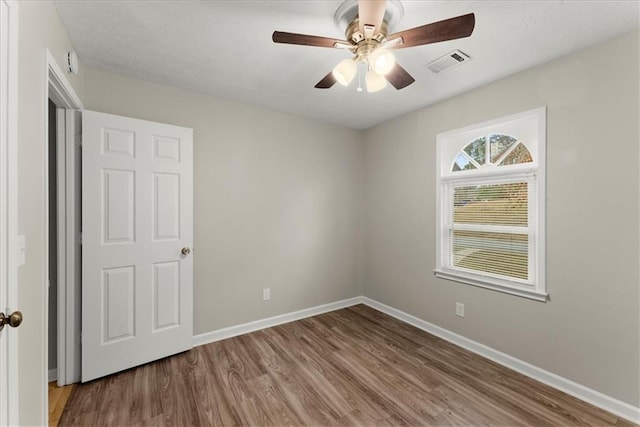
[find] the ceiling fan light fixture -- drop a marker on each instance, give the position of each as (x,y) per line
(375,81)
(382,61)
(345,71)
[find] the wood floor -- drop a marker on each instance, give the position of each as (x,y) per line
(58,397)
(354,366)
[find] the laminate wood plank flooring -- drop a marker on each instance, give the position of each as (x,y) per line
(354,366)
(58,397)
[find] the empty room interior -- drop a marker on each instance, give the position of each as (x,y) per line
(321,213)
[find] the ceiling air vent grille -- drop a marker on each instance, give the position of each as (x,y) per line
(448,61)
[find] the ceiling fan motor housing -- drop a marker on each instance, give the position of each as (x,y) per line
(347,12)
(364,46)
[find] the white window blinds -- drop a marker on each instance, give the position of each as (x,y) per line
(490,228)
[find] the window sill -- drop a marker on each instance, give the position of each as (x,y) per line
(462,278)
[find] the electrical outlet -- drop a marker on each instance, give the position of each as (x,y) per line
(460,309)
(266,294)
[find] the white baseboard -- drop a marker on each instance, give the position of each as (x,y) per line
(53,374)
(615,406)
(245,328)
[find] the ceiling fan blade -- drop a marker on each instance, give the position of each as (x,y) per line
(399,77)
(306,40)
(371,12)
(326,82)
(449,29)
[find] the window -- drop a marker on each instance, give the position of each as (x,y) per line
(490,207)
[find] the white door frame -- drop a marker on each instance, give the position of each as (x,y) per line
(60,91)
(9,406)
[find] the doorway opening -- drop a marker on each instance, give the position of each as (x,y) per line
(62,236)
(58,396)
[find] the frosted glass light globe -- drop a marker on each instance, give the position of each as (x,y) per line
(375,81)
(345,71)
(382,61)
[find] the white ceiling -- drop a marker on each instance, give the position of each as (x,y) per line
(224,48)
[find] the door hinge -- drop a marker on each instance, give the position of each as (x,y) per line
(79,238)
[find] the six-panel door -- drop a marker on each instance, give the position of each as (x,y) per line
(137,216)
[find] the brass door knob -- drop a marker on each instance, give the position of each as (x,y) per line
(186,250)
(14,319)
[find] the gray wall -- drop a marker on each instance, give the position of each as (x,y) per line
(277,200)
(39,29)
(590,330)
(268,184)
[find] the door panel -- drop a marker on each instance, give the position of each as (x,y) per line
(118,194)
(137,197)
(166,295)
(118,142)
(166,206)
(118,286)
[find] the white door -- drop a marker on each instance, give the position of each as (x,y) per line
(8,206)
(137,228)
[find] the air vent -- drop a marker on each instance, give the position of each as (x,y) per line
(448,61)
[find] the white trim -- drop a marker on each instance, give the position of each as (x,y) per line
(68,308)
(60,91)
(512,229)
(62,94)
(615,406)
(9,406)
(245,328)
(485,282)
(73,216)
(61,280)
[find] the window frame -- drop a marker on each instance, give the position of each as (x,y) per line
(529,128)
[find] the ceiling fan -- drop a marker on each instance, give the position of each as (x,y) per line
(368,39)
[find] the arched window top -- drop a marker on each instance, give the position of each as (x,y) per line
(493,150)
